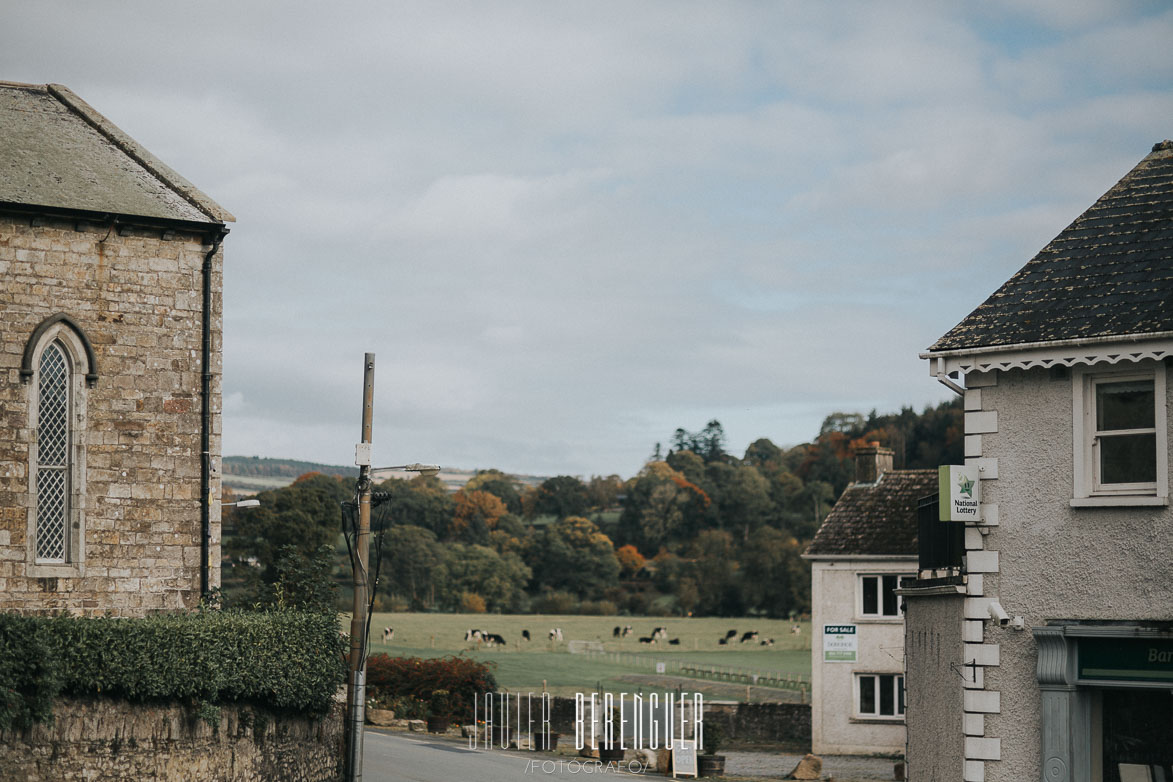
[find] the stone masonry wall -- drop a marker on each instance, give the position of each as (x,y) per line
(138,299)
(115,741)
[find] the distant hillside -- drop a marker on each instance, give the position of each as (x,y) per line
(280,468)
(252,474)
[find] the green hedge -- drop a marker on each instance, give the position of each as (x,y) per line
(409,682)
(289,661)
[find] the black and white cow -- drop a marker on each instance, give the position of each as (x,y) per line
(492,639)
(769,642)
(660,633)
(674,642)
(525,634)
(388,634)
(555,634)
(647,640)
(730,634)
(723,641)
(472,635)
(752,635)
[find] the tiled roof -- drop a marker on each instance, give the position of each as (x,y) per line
(875,519)
(1108,274)
(58,152)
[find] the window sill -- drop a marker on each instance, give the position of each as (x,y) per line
(879,620)
(872,720)
(1120,501)
(68,570)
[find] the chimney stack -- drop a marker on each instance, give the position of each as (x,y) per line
(872,461)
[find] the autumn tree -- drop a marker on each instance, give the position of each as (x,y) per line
(498,484)
(475,515)
(630,561)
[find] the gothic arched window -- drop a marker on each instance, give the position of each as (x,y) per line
(53,451)
(59,362)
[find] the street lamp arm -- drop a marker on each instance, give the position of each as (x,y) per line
(423,469)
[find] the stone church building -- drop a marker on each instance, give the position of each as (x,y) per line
(110,341)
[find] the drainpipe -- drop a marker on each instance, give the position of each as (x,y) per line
(206,419)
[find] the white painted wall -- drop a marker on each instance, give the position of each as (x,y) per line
(1054,561)
(834,728)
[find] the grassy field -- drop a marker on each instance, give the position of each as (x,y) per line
(525,665)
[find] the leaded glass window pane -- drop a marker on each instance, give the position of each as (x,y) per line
(52,454)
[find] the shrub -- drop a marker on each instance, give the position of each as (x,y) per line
(29,679)
(598,608)
(472,603)
(556,603)
(411,681)
(288,661)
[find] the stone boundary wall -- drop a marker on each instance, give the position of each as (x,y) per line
(114,740)
(787,724)
(784,724)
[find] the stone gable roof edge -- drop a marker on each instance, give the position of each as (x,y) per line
(135,151)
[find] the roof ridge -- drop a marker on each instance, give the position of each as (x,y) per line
(136,152)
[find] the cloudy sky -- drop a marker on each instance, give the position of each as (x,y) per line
(568,228)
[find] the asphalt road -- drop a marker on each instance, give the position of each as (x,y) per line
(415,757)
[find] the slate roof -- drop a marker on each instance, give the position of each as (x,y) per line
(1108,274)
(57,152)
(875,519)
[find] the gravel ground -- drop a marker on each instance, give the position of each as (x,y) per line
(843,768)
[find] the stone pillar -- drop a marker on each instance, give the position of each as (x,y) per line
(1065,732)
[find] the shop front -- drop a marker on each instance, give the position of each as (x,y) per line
(1107,702)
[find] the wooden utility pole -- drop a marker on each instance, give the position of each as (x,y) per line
(356,692)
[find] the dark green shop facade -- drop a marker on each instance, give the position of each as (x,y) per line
(1107,701)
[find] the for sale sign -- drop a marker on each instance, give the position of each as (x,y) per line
(840,644)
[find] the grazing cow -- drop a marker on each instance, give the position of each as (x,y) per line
(525,634)
(388,634)
(768,643)
(723,641)
(796,629)
(674,642)
(626,631)
(752,635)
(473,635)
(492,639)
(556,634)
(730,634)
(647,640)
(660,633)
(616,631)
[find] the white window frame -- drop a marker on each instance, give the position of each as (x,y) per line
(898,697)
(1087,490)
(75,477)
(859,601)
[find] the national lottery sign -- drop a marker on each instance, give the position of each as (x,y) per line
(959,492)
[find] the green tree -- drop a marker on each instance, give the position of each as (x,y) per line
(414,565)
(499,579)
(422,501)
(561,496)
(300,518)
(574,555)
(776,580)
